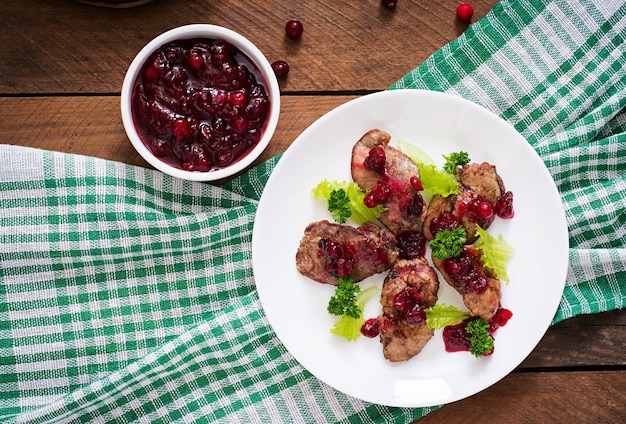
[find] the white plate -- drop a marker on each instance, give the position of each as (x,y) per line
(296,306)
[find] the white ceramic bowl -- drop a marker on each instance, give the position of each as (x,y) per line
(212,32)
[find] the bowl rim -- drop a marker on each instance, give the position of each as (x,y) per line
(184,32)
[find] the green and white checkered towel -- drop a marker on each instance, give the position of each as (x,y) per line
(127,295)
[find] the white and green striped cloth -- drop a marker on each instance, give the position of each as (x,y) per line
(127,295)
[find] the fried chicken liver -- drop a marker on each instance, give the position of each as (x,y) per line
(410,287)
(480,290)
(392,180)
(329,251)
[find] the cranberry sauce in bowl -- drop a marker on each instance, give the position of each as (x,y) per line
(200,102)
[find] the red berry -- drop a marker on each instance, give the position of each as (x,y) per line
(389,3)
(220,97)
(150,73)
(294,29)
(370,328)
(381,192)
(280,68)
(484,209)
(370,201)
(404,300)
(195,61)
(240,124)
(376,159)
(464,12)
(416,183)
(183,128)
(445,221)
(238,98)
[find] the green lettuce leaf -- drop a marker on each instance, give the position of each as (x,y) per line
(496,253)
(416,154)
(434,180)
(441,314)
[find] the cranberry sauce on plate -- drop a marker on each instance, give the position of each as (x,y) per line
(200,104)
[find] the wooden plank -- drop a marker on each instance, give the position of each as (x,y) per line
(92,125)
(583,341)
(561,397)
(68,47)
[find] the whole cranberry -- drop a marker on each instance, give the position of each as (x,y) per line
(280,68)
(370,328)
(416,183)
(195,61)
(238,98)
(381,192)
(464,12)
(405,300)
(376,159)
(389,3)
(484,209)
(294,29)
(370,201)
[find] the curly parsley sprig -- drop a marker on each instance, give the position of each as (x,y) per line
(448,243)
(481,340)
(339,205)
(454,160)
(343,302)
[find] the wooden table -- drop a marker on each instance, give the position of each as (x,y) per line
(61,69)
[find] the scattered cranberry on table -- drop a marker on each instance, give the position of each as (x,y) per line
(294,29)
(389,3)
(280,68)
(464,12)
